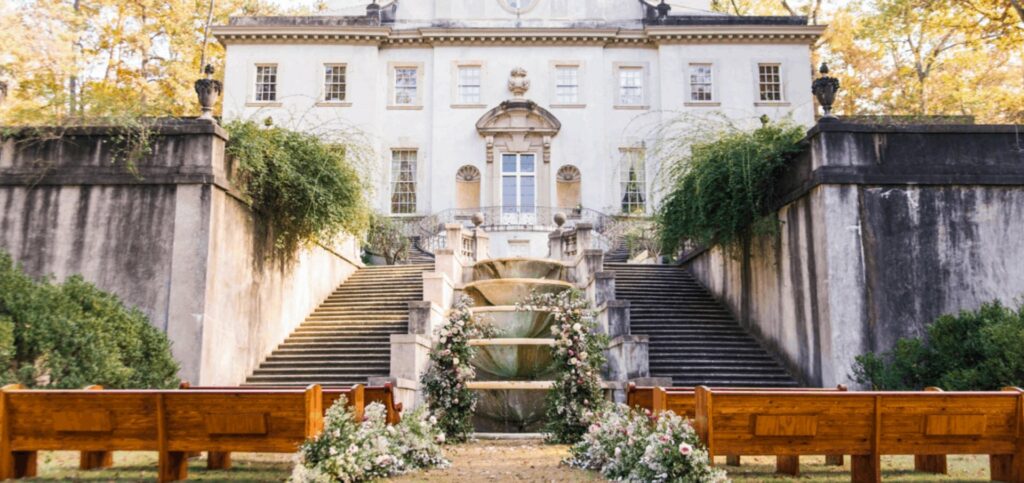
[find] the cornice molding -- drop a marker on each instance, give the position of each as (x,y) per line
(652,35)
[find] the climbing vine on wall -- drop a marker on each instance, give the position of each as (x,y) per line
(723,190)
(579,355)
(306,189)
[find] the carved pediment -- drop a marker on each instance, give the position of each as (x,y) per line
(518,116)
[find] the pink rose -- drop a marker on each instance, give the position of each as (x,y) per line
(685,449)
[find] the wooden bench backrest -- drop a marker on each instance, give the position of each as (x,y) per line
(357,396)
(858,423)
(101,420)
(683,400)
(79,420)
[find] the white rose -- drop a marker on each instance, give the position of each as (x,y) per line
(577,326)
(455,361)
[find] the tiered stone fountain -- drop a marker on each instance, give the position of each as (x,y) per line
(514,368)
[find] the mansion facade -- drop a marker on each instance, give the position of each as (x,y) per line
(517,108)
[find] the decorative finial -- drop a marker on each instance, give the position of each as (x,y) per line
(559,219)
(518,83)
(663,10)
(824,88)
(765,120)
(268,121)
(477,219)
(208,90)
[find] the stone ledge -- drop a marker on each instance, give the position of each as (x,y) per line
(176,126)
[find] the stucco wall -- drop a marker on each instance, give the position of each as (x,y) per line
(884,230)
(170,238)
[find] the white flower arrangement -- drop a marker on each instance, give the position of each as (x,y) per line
(352,451)
(630,445)
(579,355)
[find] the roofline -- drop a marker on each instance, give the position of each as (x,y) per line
(385,35)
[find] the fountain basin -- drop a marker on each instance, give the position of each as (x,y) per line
(513,359)
(505,268)
(509,410)
(512,323)
(510,291)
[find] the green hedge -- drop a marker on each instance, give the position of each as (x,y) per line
(975,350)
(73,334)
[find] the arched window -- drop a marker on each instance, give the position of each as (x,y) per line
(467,187)
(567,187)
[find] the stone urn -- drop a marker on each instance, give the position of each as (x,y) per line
(208,91)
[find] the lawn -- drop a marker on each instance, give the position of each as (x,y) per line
(514,461)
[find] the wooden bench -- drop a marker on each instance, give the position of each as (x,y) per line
(866,425)
(683,401)
(173,423)
(358,397)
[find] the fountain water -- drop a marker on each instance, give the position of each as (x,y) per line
(515,367)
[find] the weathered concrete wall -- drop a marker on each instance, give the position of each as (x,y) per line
(883,230)
(170,238)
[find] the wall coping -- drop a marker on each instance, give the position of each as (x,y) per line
(164,126)
(839,125)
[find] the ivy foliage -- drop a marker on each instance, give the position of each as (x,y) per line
(975,350)
(722,190)
(306,190)
(72,334)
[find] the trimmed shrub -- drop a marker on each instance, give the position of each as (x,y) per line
(73,334)
(975,350)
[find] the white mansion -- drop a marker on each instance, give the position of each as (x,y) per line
(517,108)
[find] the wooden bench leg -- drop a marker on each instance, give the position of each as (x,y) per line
(787,465)
(1001,467)
(733,460)
(865,469)
(218,460)
(935,464)
(173,465)
(94,460)
(834,460)
(25,464)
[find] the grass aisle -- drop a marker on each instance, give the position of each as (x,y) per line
(512,461)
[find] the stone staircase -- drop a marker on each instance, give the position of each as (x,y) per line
(619,254)
(693,338)
(347,339)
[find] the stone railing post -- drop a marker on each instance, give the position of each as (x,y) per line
(555,245)
(483,244)
(453,237)
(584,237)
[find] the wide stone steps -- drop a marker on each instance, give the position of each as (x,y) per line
(347,339)
(693,338)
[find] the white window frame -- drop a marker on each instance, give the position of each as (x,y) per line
(645,84)
(457,101)
(580,74)
(394,182)
(783,98)
(688,84)
(322,73)
(253,101)
(624,155)
(518,175)
(417,100)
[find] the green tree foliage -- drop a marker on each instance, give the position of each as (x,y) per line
(73,334)
(386,239)
(306,189)
(722,190)
(975,350)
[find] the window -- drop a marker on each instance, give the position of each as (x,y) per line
(266,83)
(518,183)
(631,86)
(405,85)
(334,83)
(567,84)
(769,80)
(633,179)
(469,84)
(403,181)
(700,83)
